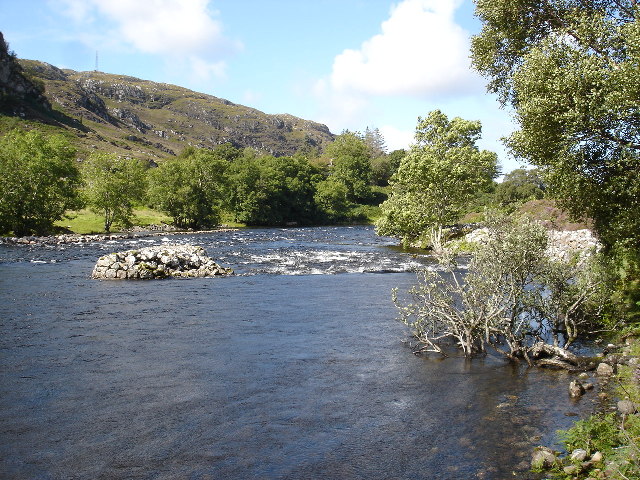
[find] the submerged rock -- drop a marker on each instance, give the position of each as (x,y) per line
(158,262)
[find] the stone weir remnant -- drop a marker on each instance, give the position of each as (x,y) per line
(163,261)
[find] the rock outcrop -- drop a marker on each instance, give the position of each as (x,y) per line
(163,261)
(17,91)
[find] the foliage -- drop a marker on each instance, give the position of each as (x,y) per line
(113,186)
(273,190)
(511,298)
(375,141)
(569,69)
(594,434)
(331,199)
(384,166)
(626,291)
(443,170)
(192,187)
(351,159)
(39,181)
(519,186)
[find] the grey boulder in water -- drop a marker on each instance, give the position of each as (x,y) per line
(161,261)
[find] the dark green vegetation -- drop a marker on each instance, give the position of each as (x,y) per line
(39,181)
(569,68)
(197,189)
(113,186)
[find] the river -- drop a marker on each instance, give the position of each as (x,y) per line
(293,368)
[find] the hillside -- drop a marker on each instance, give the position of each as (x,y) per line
(144,119)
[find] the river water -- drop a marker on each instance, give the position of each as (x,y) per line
(293,368)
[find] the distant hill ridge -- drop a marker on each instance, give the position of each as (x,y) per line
(150,120)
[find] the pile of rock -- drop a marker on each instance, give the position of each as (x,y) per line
(161,261)
(562,243)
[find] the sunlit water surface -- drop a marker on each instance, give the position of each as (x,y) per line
(292,369)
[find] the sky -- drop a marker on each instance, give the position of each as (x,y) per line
(350,64)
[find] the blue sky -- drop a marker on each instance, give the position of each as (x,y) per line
(350,64)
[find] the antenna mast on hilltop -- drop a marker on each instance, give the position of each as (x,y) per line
(96,61)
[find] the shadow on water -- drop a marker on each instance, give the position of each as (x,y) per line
(258,376)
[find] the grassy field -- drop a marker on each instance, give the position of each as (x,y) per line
(85,221)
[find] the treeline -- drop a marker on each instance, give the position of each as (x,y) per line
(41,179)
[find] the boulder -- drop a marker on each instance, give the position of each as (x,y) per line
(626,407)
(604,370)
(576,389)
(543,457)
(579,455)
(161,261)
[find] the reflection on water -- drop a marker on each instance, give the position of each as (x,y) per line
(252,376)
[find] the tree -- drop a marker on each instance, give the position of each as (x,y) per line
(273,190)
(331,199)
(384,166)
(375,141)
(512,298)
(443,169)
(113,185)
(519,186)
(351,159)
(192,188)
(39,181)
(569,68)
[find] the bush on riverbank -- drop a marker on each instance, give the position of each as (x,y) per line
(514,297)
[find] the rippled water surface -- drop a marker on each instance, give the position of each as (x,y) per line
(292,369)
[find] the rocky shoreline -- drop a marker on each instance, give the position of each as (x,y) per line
(68,238)
(605,384)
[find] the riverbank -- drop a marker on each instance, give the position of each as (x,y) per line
(605,445)
(136,232)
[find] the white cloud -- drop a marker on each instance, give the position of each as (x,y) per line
(421,52)
(395,138)
(184,31)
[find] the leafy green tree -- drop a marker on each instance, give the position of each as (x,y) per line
(273,190)
(384,166)
(519,186)
(39,181)
(192,188)
(113,186)
(443,170)
(351,159)
(331,199)
(570,70)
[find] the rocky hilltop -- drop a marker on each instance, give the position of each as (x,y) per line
(144,119)
(18,94)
